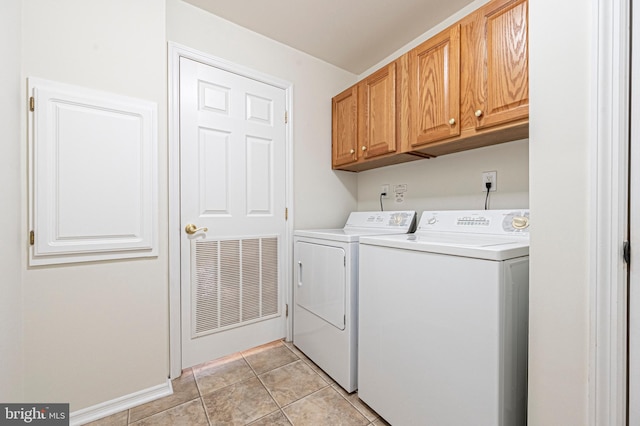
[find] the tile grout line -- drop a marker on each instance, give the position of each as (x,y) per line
(204,407)
(287,417)
(269,392)
(248,363)
(354,406)
(267,389)
(281,366)
(195,379)
(333,383)
(256,375)
(159,412)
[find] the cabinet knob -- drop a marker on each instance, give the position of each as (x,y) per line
(479,113)
(352,151)
(364,148)
(452,121)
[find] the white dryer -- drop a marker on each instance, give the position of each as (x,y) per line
(443,320)
(325,315)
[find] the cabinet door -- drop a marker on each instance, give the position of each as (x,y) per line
(345,127)
(434,95)
(378,102)
(506,76)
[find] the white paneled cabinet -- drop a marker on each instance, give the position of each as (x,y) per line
(93,175)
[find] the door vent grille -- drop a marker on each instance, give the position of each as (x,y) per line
(235,283)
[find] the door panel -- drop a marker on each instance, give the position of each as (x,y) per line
(435,91)
(379,112)
(232,154)
(321,281)
(344,131)
(506,90)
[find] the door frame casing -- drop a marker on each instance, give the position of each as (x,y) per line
(608,206)
(634,225)
(177,51)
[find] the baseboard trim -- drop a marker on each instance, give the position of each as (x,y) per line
(108,408)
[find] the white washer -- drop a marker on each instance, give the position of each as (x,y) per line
(443,320)
(325,316)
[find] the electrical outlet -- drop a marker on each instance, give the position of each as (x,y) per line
(490,177)
(399,192)
(385,189)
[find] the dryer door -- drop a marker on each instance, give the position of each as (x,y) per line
(320,281)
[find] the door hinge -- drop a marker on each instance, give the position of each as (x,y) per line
(32,238)
(32,104)
(626,252)
(286,310)
(286,213)
(286,117)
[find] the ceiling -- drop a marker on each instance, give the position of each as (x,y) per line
(351,34)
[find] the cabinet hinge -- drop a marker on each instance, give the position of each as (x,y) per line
(345,260)
(626,252)
(286,310)
(286,117)
(32,238)
(286,213)
(32,104)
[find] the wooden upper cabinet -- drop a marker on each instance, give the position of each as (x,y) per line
(369,121)
(344,136)
(434,94)
(504,56)
(464,88)
(378,112)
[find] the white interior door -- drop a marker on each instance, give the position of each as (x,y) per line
(232,183)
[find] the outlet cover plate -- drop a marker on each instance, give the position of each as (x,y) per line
(490,177)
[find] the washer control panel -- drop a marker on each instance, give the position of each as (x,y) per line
(505,222)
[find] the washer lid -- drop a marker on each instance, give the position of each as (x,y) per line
(487,247)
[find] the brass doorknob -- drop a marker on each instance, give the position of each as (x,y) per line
(364,148)
(352,151)
(479,113)
(192,229)
(452,121)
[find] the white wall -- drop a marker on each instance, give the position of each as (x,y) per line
(11,365)
(453,182)
(561,83)
(322,197)
(97,331)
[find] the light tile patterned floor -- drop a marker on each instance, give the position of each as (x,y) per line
(270,385)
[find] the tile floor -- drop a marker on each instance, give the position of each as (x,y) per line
(273,384)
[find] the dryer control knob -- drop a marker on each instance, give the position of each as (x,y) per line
(520,222)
